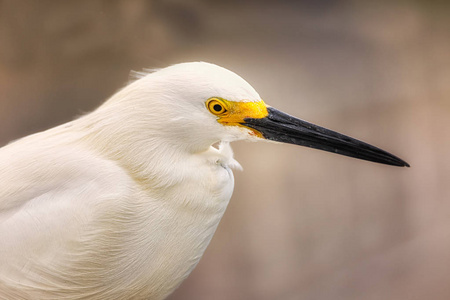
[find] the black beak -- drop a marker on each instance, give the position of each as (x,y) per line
(281,127)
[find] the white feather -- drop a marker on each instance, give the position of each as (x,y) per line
(122,202)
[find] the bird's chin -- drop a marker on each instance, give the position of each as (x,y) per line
(250,134)
(239,133)
(253,134)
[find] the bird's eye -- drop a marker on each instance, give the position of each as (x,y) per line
(216,106)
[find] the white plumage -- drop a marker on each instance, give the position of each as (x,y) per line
(122,202)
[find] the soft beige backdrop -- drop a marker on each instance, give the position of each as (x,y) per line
(302,224)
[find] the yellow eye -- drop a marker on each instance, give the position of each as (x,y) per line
(216,106)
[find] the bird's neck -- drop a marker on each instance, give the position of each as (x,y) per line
(146,153)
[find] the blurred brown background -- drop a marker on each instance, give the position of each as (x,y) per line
(302,224)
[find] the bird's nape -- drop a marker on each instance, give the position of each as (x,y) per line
(281,127)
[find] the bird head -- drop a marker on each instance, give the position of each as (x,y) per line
(199,104)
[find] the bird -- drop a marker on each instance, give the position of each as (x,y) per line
(121,202)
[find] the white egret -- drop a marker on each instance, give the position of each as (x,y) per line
(122,202)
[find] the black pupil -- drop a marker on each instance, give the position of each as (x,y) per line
(217,107)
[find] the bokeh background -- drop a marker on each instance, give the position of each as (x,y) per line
(302,224)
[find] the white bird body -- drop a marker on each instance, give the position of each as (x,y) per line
(102,208)
(122,202)
(98,230)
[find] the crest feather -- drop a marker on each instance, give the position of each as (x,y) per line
(136,75)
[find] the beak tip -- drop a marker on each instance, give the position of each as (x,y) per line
(397,162)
